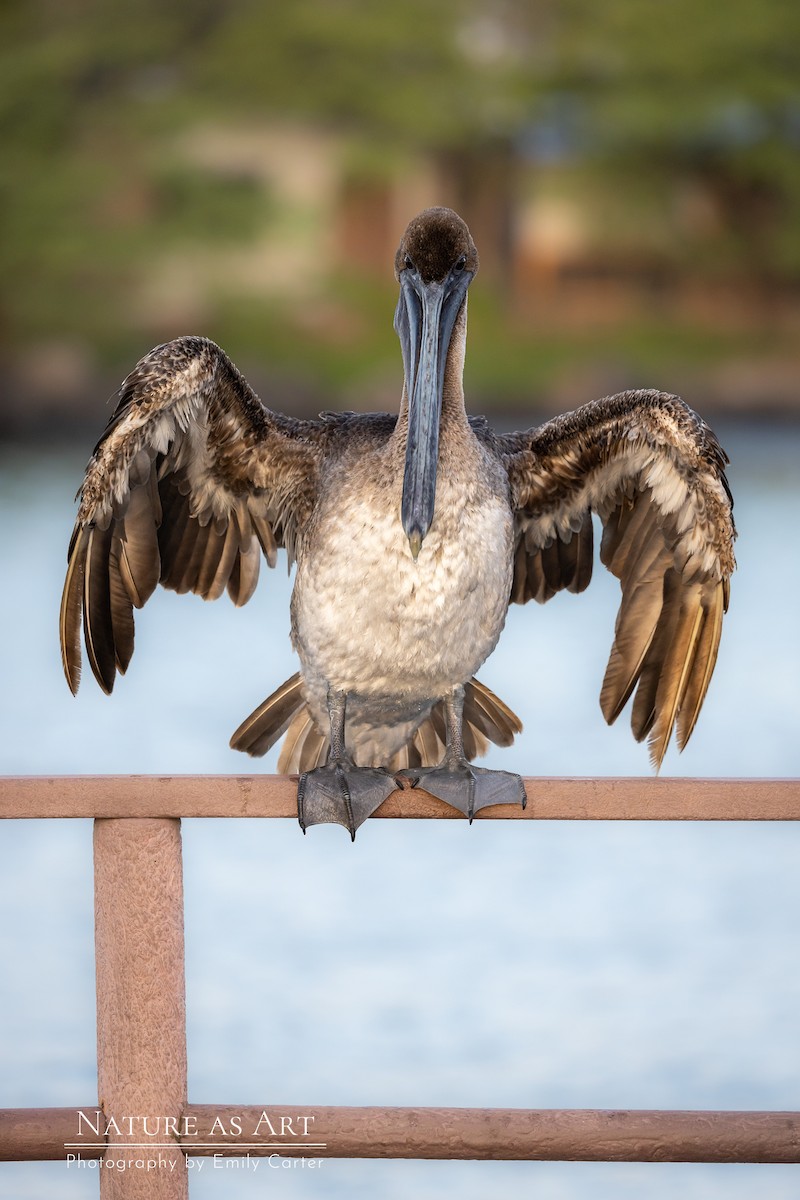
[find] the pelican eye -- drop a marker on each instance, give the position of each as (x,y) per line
(460,263)
(407,262)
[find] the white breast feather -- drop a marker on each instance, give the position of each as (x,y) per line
(371,621)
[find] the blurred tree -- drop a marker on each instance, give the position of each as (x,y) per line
(671,90)
(679,90)
(90,98)
(86,101)
(414,76)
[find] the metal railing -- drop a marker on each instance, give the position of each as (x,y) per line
(141,1014)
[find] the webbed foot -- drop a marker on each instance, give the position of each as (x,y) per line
(468,788)
(341,793)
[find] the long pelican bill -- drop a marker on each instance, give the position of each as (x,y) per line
(425,317)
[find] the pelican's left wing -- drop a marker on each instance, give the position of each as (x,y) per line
(191,481)
(654,473)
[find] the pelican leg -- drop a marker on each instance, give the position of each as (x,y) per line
(455,780)
(340,793)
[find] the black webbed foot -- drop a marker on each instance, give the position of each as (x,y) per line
(468,788)
(341,793)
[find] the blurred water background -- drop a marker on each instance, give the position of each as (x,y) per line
(245,171)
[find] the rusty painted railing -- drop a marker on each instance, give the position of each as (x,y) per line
(141,1015)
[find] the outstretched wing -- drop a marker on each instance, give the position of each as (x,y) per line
(191,481)
(655,474)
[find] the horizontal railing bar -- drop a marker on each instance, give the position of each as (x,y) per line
(39,1134)
(588,1135)
(559,799)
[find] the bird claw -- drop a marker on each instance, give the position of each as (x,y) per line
(468,788)
(340,793)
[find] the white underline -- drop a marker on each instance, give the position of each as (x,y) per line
(195,1145)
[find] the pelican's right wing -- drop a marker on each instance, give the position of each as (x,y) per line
(191,481)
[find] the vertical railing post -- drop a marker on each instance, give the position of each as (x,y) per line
(141,1006)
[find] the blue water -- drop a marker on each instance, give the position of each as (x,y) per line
(542,965)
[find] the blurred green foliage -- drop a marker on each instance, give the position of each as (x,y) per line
(628,97)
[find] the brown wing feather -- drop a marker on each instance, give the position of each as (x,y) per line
(244,575)
(172,533)
(585,554)
(635,628)
(705,657)
(98,626)
(654,473)
(71,609)
(675,669)
(192,480)
(645,710)
(137,538)
(564,563)
(121,611)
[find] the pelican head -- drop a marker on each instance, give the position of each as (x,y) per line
(435,264)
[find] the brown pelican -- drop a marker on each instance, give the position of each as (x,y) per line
(412,535)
